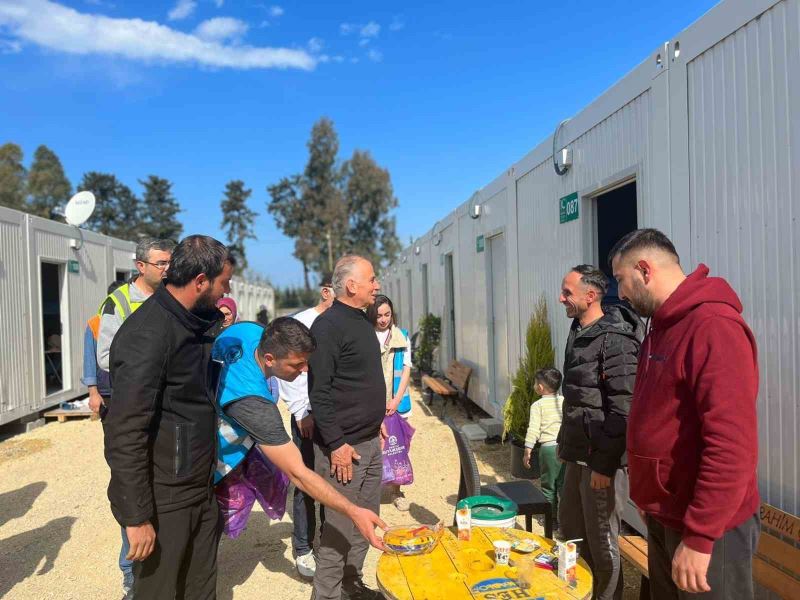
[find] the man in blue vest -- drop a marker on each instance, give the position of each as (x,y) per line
(249,355)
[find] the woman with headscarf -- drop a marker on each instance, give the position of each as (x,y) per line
(227,307)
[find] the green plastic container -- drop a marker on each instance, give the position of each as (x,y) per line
(490,511)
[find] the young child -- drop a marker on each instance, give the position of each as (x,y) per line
(545,421)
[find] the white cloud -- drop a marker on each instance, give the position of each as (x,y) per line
(370,30)
(276,11)
(315,45)
(183,9)
(221,28)
(354,60)
(397,24)
(100,3)
(363,42)
(56,27)
(375,55)
(347,28)
(338,58)
(219,3)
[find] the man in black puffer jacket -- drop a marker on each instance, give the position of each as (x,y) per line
(160,430)
(599,375)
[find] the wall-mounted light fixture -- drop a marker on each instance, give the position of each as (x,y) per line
(474,209)
(562,159)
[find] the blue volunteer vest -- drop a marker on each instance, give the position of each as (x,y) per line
(240,377)
(399,356)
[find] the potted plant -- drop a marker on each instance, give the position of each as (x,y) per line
(430,332)
(538,354)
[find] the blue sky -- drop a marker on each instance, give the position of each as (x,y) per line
(446,95)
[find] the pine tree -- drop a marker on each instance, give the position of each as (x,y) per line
(12,177)
(237,220)
(539,354)
(48,186)
(160,209)
(117,209)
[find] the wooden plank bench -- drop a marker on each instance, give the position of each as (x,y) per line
(454,385)
(776,564)
(62,415)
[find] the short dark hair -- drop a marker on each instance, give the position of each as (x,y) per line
(113,286)
(372,309)
(146,244)
(285,335)
(549,378)
(594,277)
(197,254)
(639,239)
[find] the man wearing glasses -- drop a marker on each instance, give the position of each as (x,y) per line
(152,261)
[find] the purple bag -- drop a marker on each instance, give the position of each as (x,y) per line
(396,462)
(255,478)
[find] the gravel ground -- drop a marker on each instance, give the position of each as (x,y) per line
(59,540)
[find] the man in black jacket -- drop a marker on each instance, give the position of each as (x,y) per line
(160,430)
(599,375)
(348,399)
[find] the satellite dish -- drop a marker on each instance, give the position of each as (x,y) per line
(79,208)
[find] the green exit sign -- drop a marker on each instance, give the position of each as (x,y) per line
(480,243)
(568,207)
(73,266)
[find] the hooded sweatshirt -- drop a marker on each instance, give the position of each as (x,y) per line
(692,432)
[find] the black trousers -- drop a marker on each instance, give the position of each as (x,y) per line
(730,572)
(183,565)
(304,512)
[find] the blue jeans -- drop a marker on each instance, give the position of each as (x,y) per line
(303,505)
(125,565)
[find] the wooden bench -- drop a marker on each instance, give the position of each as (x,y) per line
(454,385)
(776,564)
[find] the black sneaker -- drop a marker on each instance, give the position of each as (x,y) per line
(355,589)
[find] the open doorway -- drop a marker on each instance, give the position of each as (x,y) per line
(52,281)
(616,212)
(121,276)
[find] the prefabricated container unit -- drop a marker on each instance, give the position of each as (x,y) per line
(48,290)
(702,141)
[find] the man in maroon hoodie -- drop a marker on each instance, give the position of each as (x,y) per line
(692,431)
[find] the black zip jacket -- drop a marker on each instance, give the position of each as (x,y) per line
(599,375)
(160,430)
(345,378)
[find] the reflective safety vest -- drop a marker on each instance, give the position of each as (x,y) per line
(121,297)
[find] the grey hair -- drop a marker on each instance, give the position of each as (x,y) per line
(343,270)
(146,244)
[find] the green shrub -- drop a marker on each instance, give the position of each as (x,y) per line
(430,333)
(538,354)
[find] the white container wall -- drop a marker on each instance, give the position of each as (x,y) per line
(700,141)
(48,290)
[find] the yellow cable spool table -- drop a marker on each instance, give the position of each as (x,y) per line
(457,569)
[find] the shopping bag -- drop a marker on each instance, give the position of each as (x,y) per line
(254,479)
(396,462)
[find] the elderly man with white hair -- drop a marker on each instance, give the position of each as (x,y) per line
(348,399)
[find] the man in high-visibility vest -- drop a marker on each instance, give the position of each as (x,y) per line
(152,261)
